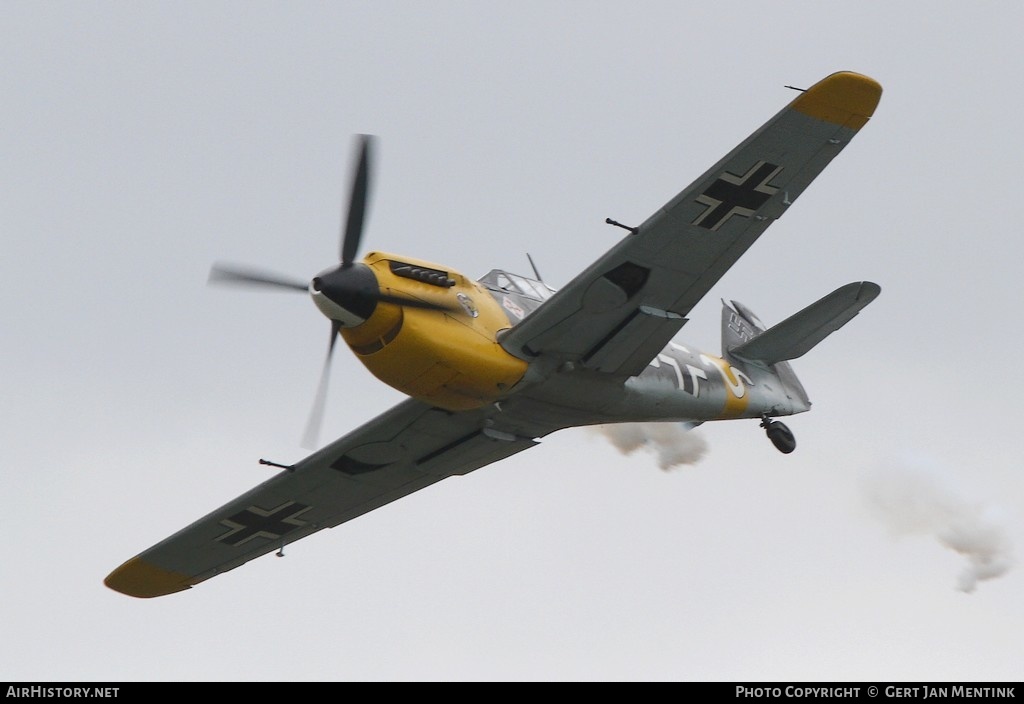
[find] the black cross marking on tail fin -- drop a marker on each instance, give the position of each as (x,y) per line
(733,194)
(256,522)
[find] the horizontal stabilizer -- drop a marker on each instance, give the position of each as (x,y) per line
(795,335)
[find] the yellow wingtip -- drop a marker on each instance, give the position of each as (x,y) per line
(141,579)
(844,98)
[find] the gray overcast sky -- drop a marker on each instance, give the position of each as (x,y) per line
(143,141)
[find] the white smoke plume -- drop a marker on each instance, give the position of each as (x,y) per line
(673,443)
(914,497)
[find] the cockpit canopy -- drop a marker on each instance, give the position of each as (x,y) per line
(498,280)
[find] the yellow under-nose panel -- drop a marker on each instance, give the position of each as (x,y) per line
(450,358)
(382,327)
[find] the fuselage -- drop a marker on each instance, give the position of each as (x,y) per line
(453,359)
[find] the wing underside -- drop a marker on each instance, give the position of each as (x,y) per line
(400,452)
(617,315)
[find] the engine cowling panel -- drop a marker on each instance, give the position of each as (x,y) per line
(451,358)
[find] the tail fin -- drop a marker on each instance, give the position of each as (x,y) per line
(797,334)
(739,326)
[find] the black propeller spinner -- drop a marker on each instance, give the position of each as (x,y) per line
(347,293)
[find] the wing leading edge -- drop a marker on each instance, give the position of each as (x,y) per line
(623,309)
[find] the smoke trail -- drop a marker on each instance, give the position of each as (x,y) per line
(913,497)
(673,443)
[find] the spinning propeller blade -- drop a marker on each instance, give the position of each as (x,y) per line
(316,415)
(345,285)
(353,232)
(230,274)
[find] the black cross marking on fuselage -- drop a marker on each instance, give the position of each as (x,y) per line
(733,194)
(256,522)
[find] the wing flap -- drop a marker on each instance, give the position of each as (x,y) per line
(472,452)
(634,343)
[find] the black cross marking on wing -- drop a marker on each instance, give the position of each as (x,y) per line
(733,194)
(256,522)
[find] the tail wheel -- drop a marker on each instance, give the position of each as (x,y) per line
(780,435)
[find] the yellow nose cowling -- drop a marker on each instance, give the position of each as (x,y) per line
(451,358)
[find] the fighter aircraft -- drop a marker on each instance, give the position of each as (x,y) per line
(493,365)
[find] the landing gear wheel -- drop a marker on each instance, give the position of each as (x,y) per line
(780,435)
